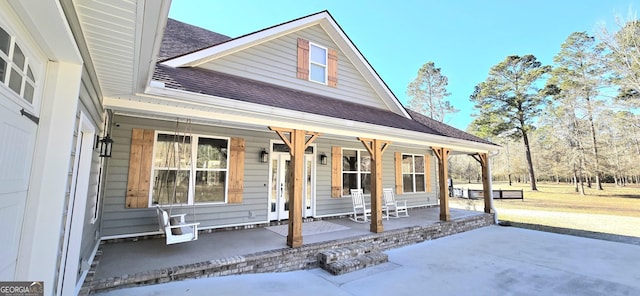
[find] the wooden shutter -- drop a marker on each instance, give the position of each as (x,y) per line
(332,65)
(303,59)
(139,177)
(336,171)
(427,171)
(236,170)
(399,189)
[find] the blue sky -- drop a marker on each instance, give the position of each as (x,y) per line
(464,38)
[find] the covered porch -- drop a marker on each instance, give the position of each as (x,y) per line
(131,262)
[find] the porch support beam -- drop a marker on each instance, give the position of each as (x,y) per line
(483,159)
(443,175)
(376,148)
(297,141)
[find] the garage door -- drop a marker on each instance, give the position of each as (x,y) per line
(17,140)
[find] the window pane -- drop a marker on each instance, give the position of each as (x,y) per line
(3,69)
(365,162)
(15,81)
(166,182)
(210,186)
(5,41)
(18,57)
(407,182)
(317,73)
(28,92)
(420,186)
(212,153)
(172,151)
(349,181)
(350,160)
(419,161)
(407,164)
(30,74)
(318,55)
(365,183)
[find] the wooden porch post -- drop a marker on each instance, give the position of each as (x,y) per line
(376,149)
(483,159)
(443,176)
(297,143)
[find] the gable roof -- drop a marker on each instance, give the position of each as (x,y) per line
(183,39)
(326,21)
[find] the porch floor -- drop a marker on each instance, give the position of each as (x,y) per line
(124,259)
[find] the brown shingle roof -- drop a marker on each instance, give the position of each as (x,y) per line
(181,38)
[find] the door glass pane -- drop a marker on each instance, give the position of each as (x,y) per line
(18,57)
(5,41)
(308,191)
(212,153)
(30,74)
(286,185)
(28,92)
(166,182)
(210,186)
(15,81)
(3,70)
(274,185)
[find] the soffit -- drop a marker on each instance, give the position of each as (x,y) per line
(121,37)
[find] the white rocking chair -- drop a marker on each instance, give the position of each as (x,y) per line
(175,229)
(360,211)
(391,207)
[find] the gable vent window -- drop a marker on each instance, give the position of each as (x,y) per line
(316,63)
(15,70)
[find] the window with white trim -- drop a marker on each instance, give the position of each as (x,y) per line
(356,171)
(413,175)
(317,63)
(182,175)
(15,70)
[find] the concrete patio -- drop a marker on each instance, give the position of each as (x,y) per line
(151,260)
(491,260)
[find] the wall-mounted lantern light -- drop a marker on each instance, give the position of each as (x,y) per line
(264,156)
(323,159)
(105,146)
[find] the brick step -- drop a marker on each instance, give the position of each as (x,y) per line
(337,254)
(357,263)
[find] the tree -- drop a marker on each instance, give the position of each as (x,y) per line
(579,74)
(624,47)
(428,93)
(509,100)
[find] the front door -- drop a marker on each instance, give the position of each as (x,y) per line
(279,193)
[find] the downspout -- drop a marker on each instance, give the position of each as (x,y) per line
(493,209)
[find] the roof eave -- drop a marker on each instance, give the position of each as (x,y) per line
(162,100)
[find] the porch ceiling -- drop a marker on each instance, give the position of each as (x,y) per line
(120,37)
